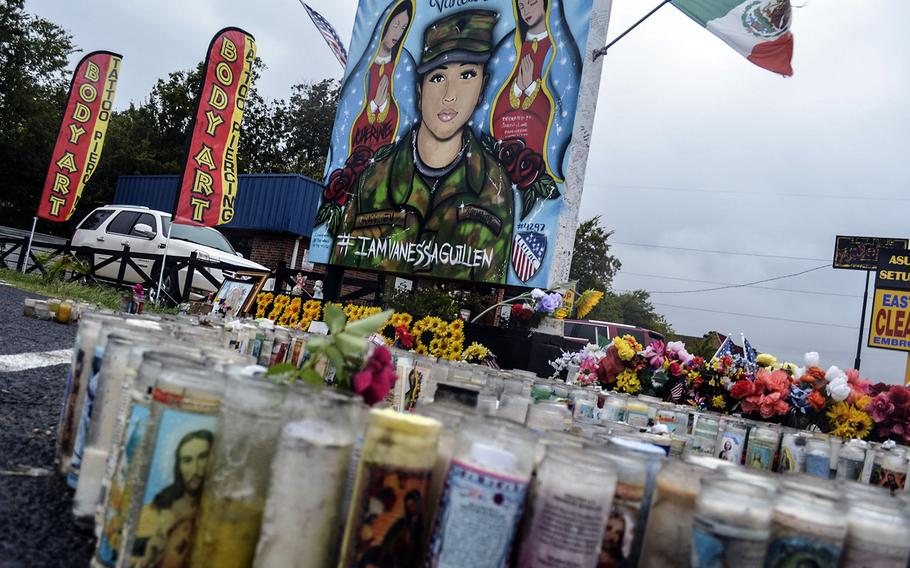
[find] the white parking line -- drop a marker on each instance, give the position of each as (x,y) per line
(25,361)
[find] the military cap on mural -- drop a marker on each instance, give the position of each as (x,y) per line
(465,37)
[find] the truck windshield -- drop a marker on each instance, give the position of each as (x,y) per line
(205,236)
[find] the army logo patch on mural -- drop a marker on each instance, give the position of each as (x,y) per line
(528,252)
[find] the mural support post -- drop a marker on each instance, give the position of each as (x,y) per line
(578,156)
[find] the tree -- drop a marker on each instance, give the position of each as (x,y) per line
(33,84)
(592,264)
(310,118)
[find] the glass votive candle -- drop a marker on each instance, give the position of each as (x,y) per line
(878,531)
(806,523)
(732,524)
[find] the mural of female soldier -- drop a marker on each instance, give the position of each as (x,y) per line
(536,101)
(378,121)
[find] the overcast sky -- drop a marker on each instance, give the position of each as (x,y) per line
(693,147)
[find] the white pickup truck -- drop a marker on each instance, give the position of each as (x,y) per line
(145,230)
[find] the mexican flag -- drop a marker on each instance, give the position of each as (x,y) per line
(757,29)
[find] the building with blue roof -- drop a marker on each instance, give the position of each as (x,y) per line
(273,215)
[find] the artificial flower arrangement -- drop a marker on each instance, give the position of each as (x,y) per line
(477,353)
(529,308)
(429,336)
(345,358)
(835,401)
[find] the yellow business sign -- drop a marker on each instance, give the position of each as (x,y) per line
(890,326)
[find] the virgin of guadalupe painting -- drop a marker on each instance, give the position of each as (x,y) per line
(378,121)
(535,103)
(377,96)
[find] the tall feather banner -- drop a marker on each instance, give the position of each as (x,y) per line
(208,189)
(81,137)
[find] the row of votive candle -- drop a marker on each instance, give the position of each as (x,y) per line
(182,453)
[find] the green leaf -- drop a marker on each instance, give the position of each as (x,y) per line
(317,344)
(368,325)
(281,369)
(546,188)
(323,214)
(334,318)
(351,346)
(528,201)
(311,377)
(337,358)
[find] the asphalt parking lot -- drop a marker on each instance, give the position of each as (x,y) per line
(36,528)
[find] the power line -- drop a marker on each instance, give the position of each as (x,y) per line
(662,277)
(753,254)
(757,193)
(756,316)
(729,286)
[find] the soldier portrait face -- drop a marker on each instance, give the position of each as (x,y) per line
(448,96)
(532,12)
(192,458)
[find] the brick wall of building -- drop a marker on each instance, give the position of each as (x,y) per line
(270,249)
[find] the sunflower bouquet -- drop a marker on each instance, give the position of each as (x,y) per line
(263,301)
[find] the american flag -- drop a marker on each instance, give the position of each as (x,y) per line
(726,348)
(329,34)
(527,254)
(751,353)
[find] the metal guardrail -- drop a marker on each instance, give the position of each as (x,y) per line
(12,256)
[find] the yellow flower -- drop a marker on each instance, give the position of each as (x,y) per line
(400,319)
(623,348)
(294,306)
(628,382)
(278,306)
(475,353)
(848,421)
(718,402)
(312,310)
(262,302)
(766,360)
(587,302)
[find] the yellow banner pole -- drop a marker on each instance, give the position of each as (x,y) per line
(907,371)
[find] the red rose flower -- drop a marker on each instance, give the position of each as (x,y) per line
(509,151)
(675,369)
(525,170)
(359,159)
(377,378)
(742,389)
(341,182)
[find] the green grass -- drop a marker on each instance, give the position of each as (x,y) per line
(98,294)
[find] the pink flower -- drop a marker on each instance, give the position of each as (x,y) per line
(675,369)
(774,382)
(742,389)
(377,378)
(772,404)
(881,407)
(655,354)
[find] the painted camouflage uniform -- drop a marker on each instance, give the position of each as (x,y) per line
(458,218)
